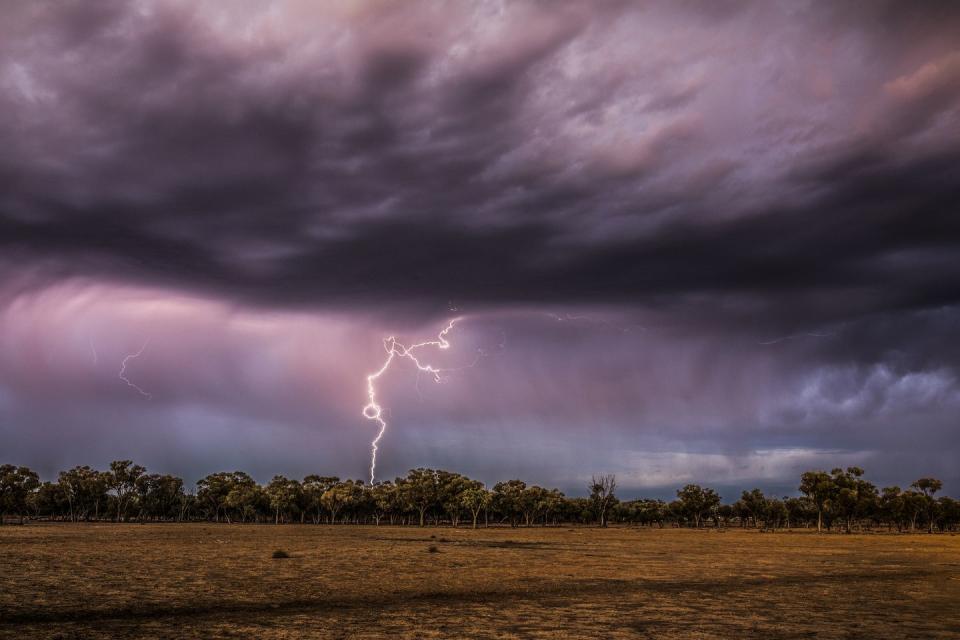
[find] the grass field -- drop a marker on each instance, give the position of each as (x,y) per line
(173,581)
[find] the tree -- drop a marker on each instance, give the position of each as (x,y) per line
(122,480)
(385,500)
(450,486)
(776,513)
(853,497)
(601,495)
(16,484)
(798,510)
(928,486)
(283,494)
(892,507)
(214,490)
(647,512)
(158,495)
(338,497)
(314,487)
(420,490)
(533,501)
(475,500)
(85,489)
(435,496)
(755,503)
(245,499)
(507,498)
(552,504)
(819,487)
(948,513)
(914,503)
(50,499)
(695,501)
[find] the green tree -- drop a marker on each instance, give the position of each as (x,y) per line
(340,496)
(284,495)
(948,513)
(85,490)
(891,507)
(16,484)
(929,487)
(755,504)
(122,480)
(696,501)
(507,500)
(213,490)
(385,500)
(776,513)
(450,486)
(799,510)
(158,495)
(819,487)
(245,499)
(853,497)
(420,490)
(51,500)
(314,487)
(475,500)
(914,503)
(552,503)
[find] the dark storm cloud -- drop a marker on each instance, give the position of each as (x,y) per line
(378,155)
(694,241)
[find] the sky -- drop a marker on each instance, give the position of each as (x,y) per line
(690,241)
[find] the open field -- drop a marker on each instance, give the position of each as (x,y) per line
(173,581)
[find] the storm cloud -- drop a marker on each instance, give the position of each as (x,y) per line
(714,236)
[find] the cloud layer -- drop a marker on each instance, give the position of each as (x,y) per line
(695,228)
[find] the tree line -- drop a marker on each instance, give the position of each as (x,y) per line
(839,500)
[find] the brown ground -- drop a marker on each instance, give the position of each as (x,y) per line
(177,581)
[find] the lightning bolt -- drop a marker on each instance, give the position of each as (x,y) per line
(123,368)
(373,411)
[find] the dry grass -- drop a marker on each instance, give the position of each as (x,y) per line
(175,581)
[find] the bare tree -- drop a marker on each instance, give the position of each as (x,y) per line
(601,494)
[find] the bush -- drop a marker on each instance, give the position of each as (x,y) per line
(433,549)
(280,553)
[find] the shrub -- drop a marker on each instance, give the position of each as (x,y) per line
(433,549)
(280,553)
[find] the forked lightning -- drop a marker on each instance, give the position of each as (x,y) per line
(373,411)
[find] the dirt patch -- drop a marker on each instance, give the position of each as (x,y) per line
(178,581)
